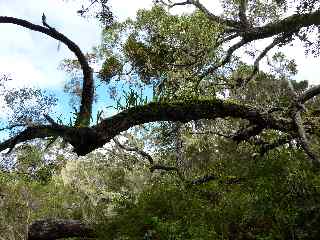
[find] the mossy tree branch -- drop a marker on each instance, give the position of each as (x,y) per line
(87,139)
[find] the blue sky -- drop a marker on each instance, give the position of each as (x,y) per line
(32,59)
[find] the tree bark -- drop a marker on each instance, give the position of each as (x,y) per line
(50,229)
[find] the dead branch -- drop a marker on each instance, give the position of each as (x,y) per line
(274,43)
(225,60)
(246,133)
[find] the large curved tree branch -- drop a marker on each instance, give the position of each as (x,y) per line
(88,83)
(87,139)
(33,132)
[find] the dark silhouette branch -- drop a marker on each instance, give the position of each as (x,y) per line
(88,84)
(225,60)
(209,178)
(146,155)
(226,39)
(211,132)
(13,126)
(204,179)
(166,168)
(51,120)
(171,5)
(33,132)
(246,133)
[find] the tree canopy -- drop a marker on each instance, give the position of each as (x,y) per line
(222,126)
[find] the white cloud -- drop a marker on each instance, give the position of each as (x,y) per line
(123,9)
(31,57)
(25,73)
(308,65)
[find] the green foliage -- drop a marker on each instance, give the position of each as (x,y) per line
(28,105)
(164,50)
(110,68)
(258,11)
(276,198)
(32,166)
(249,196)
(270,197)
